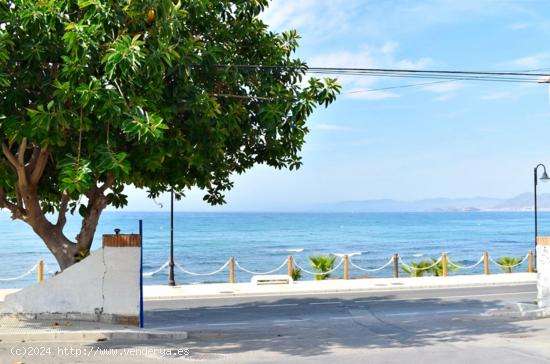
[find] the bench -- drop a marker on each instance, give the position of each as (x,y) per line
(271,279)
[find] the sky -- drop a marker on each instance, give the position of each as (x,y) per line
(453,139)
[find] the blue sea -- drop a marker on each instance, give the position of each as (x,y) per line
(262,241)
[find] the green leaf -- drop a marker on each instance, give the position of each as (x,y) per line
(148,103)
(75,175)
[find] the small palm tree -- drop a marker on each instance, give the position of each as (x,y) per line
(296,274)
(437,270)
(322,264)
(418,269)
(507,264)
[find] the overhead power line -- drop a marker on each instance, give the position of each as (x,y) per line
(440,76)
(357,91)
(406,71)
(490,76)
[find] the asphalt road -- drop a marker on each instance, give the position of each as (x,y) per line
(263,312)
(431,326)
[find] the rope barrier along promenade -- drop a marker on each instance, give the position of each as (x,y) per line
(423,268)
(150,274)
(319,273)
(48,270)
(510,266)
(373,269)
(202,274)
(20,276)
(458,266)
(291,262)
(261,273)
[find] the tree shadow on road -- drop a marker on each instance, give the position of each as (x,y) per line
(305,329)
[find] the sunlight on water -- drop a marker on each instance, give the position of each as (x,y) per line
(262,241)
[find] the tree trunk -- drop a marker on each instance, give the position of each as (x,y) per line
(28,208)
(97,202)
(62,248)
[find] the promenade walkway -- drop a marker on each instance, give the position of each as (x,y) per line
(212,290)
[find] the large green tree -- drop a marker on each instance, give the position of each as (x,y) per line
(100,94)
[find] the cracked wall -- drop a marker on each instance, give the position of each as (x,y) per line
(105,283)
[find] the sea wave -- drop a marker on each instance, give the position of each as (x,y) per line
(348,254)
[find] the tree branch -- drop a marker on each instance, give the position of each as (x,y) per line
(21,152)
(32,163)
(19,198)
(9,155)
(96,204)
(62,217)
(109,180)
(41,163)
(19,167)
(4,203)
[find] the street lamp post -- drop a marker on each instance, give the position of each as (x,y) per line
(543,178)
(171,279)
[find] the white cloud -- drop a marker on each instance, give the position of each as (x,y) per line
(365,58)
(366,94)
(320,17)
(531,61)
(444,87)
(519,26)
(377,24)
(496,95)
(444,97)
(330,127)
(414,65)
(389,48)
(359,86)
(331,18)
(444,90)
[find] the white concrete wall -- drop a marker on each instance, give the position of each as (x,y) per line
(106,282)
(543,276)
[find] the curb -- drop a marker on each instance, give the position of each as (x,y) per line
(112,319)
(90,336)
(388,288)
(527,311)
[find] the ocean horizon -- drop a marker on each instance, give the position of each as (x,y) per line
(261,241)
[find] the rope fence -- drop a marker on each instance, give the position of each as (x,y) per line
(510,266)
(20,276)
(261,273)
(411,267)
(442,265)
(458,266)
(150,274)
(48,270)
(373,269)
(202,274)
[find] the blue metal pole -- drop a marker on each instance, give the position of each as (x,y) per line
(141,316)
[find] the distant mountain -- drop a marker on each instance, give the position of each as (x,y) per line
(523,202)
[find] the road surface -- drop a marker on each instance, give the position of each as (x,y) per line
(431,326)
(262,312)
